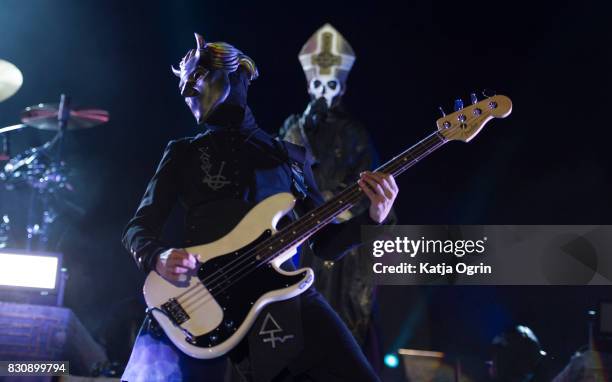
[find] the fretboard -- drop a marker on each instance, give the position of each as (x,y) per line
(307,225)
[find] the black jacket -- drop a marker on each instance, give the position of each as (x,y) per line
(216,177)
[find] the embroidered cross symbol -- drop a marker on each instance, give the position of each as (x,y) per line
(326,59)
(214,181)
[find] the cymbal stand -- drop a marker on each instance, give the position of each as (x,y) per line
(39,223)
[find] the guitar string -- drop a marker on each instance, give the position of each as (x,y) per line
(356,195)
(307,220)
(246,270)
(313,214)
(210,297)
(212,290)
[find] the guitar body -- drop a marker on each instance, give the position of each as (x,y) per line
(209,313)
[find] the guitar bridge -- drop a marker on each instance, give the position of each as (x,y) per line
(175,311)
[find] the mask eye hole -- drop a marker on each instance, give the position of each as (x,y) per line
(197,74)
(316,83)
(188,85)
(332,84)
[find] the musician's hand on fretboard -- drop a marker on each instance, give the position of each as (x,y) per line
(382,190)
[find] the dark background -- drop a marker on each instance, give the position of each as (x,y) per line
(548,163)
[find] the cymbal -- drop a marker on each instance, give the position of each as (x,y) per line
(10,80)
(44,116)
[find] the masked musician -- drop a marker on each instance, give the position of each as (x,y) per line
(217,176)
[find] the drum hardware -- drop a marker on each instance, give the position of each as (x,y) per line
(41,169)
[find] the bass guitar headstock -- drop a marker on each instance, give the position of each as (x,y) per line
(466,122)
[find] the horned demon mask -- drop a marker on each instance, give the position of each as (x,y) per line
(214,74)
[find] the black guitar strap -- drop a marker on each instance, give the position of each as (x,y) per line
(295,157)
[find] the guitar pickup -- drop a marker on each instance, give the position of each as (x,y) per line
(175,311)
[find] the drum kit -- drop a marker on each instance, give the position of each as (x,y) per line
(41,169)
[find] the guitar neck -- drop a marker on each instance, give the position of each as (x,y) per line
(307,225)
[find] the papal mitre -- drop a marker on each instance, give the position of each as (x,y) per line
(327,53)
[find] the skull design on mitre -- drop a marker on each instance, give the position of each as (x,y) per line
(326,59)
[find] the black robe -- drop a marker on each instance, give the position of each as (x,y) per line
(341,149)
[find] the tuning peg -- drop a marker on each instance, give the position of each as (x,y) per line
(442,111)
(458,104)
(473,98)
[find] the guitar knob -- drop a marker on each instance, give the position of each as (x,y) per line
(473,98)
(458,104)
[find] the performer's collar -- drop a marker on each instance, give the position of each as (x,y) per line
(232,121)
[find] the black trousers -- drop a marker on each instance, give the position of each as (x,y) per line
(330,354)
(330,350)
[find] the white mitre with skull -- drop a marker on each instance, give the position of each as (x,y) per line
(326,59)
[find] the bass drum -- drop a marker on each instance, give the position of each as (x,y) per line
(13,217)
(24,224)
